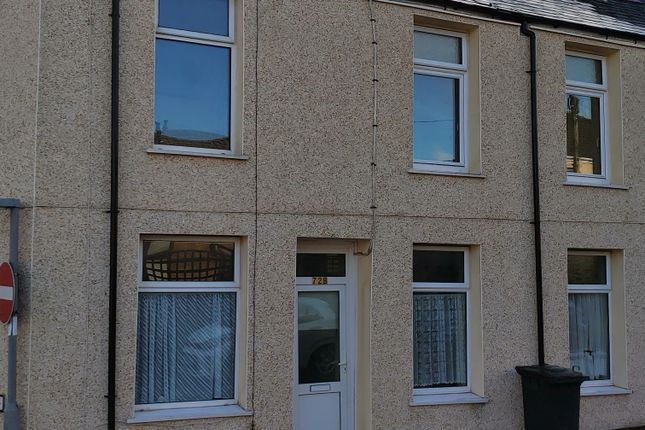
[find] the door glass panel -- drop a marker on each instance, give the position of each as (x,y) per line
(311,265)
(318,337)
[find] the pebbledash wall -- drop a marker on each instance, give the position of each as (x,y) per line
(306,110)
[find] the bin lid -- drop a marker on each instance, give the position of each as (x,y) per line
(552,374)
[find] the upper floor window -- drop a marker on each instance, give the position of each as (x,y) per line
(194,63)
(440,74)
(586,101)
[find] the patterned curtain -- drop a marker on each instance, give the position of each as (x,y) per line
(440,358)
(589,334)
(185,347)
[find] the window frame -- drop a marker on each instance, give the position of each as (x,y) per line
(605,288)
(591,90)
(187,36)
(448,287)
(170,287)
(457,71)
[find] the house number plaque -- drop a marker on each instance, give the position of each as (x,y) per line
(320,280)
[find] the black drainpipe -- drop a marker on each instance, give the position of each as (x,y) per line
(114,215)
(536,191)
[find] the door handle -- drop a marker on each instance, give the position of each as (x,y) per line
(342,363)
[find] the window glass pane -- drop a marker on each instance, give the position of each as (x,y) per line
(440,340)
(318,337)
(583,134)
(587,269)
(165,260)
(437,47)
(438,266)
(201,16)
(589,334)
(436,119)
(192,95)
(185,347)
(581,69)
(310,265)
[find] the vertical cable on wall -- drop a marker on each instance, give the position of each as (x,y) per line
(374,128)
(375,118)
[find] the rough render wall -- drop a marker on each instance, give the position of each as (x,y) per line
(18,50)
(314,123)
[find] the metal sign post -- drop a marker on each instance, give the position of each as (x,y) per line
(11,411)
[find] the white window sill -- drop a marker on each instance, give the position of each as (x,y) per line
(440,173)
(606,390)
(191,153)
(572,183)
(447,399)
(178,414)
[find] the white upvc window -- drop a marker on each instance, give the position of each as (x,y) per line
(586,113)
(188,324)
(590,315)
(195,85)
(441,322)
(439,100)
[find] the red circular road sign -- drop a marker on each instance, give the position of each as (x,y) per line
(7,292)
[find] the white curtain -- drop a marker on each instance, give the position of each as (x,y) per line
(589,334)
(440,358)
(185,347)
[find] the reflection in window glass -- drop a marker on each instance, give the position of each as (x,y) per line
(315,264)
(439,325)
(436,119)
(192,95)
(185,347)
(583,134)
(165,260)
(318,337)
(587,269)
(200,16)
(589,334)
(438,266)
(437,47)
(582,69)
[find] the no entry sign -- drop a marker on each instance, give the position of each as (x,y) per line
(7,292)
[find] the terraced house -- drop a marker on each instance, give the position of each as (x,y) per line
(320,214)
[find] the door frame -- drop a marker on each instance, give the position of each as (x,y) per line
(350,281)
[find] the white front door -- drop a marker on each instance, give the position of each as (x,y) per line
(324,382)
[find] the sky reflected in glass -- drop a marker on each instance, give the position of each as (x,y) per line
(202,16)
(192,94)
(437,47)
(435,131)
(581,69)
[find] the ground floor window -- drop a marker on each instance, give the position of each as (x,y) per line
(589,314)
(440,320)
(187,321)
